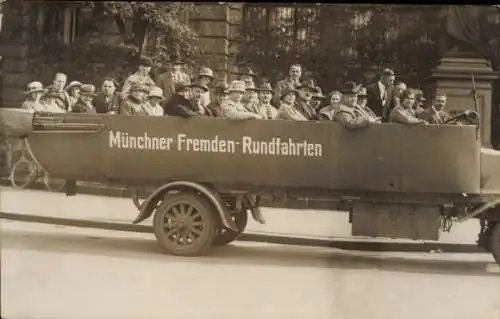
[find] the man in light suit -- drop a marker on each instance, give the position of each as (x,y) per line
(381,95)
(167,81)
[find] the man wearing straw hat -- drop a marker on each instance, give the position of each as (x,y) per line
(84,103)
(33,96)
(234,109)
(155,98)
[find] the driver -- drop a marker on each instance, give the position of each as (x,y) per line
(435,113)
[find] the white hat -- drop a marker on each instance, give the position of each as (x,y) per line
(206,72)
(156,92)
(34,87)
(72,84)
(237,86)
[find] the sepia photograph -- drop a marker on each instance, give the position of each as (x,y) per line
(221,160)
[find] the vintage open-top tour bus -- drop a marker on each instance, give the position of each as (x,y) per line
(396,181)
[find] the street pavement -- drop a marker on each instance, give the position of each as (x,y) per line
(310,223)
(51,272)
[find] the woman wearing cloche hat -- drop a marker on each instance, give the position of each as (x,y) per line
(33,97)
(155,97)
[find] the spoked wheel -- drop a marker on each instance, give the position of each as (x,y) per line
(185,224)
(52,184)
(495,242)
(23,173)
(226,236)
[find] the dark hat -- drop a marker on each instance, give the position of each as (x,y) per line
(111,79)
(287,91)
(179,87)
(307,84)
(362,91)
(349,88)
(387,72)
(222,88)
(87,89)
(52,91)
(318,93)
(250,86)
(146,61)
(199,85)
(265,87)
(247,71)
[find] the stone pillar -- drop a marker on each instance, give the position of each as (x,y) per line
(453,77)
(212,24)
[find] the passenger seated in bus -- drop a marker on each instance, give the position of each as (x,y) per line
(33,96)
(234,109)
(180,104)
(57,89)
(84,103)
(198,89)
(327,112)
(52,100)
(435,114)
(155,97)
(347,114)
(317,99)
(303,102)
(140,77)
(205,77)
(403,112)
(263,106)
(134,103)
(250,98)
(73,90)
(107,101)
(287,109)
(221,96)
(363,107)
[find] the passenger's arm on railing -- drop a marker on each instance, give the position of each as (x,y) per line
(350,122)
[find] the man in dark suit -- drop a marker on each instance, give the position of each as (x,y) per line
(107,101)
(381,95)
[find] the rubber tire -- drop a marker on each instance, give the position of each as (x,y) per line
(228,236)
(495,242)
(32,177)
(209,217)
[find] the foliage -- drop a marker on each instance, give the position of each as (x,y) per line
(345,41)
(154,29)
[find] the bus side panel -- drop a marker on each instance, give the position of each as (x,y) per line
(242,166)
(370,158)
(440,159)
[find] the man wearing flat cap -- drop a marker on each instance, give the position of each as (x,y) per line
(134,103)
(167,80)
(140,77)
(381,94)
(306,90)
(347,114)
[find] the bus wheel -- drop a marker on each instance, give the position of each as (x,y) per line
(185,224)
(226,236)
(495,242)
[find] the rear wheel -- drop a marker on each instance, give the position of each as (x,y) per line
(23,173)
(495,242)
(226,236)
(185,224)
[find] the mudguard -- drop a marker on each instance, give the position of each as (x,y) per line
(147,207)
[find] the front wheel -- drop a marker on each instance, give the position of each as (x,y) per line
(185,224)
(23,173)
(495,242)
